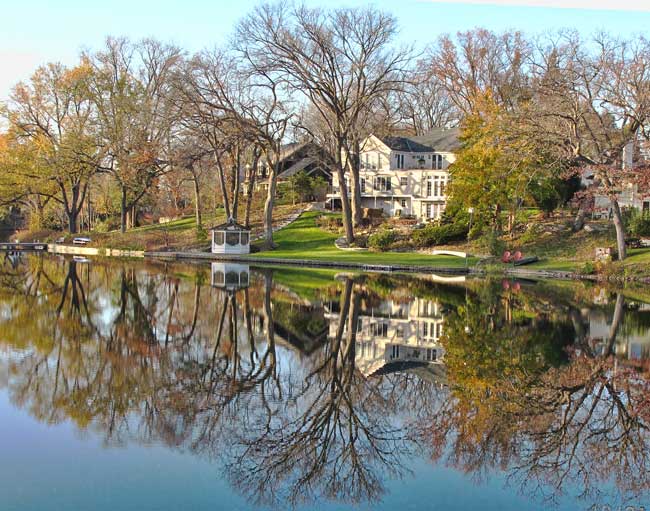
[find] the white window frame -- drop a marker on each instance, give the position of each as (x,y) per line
(437,162)
(382,184)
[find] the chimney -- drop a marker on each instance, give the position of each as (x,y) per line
(628,155)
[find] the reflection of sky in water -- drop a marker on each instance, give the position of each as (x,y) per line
(58,467)
(55,468)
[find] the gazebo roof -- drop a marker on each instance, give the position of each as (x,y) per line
(230,225)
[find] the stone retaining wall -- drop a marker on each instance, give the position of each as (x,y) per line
(307,262)
(93,251)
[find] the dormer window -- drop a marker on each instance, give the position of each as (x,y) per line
(421,162)
(400,161)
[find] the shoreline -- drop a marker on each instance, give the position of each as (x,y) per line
(311,263)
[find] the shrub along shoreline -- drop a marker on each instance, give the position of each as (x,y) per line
(312,237)
(310,240)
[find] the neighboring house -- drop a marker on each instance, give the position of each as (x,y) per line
(296,157)
(635,153)
(405,176)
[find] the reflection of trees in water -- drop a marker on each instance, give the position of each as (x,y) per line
(333,437)
(549,425)
(90,361)
(149,356)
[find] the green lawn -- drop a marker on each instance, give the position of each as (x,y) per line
(555,264)
(638,256)
(637,261)
(303,239)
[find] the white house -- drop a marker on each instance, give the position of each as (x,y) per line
(406,175)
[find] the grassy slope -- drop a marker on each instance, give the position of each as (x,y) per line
(564,250)
(637,261)
(303,239)
(179,234)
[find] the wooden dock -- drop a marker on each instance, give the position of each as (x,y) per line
(23,247)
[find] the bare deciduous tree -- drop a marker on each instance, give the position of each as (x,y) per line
(130,86)
(340,60)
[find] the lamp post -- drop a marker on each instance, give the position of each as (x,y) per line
(469,229)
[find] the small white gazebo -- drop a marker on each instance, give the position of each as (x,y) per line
(230,238)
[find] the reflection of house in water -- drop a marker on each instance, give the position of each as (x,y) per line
(230,276)
(395,336)
(632,336)
(301,326)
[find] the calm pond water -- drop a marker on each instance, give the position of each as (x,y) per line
(146,386)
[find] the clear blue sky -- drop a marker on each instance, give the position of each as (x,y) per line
(37,31)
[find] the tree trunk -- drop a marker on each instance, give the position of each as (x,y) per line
(345,205)
(355,304)
(197,204)
(250,190)
(579,221)
(355,185)
(224,189)
(40,212)
(497,218)
(268,209)
(123,210)
(72,204)
(89,210)
(512,215)
(236,186)
(72,222)
(620,229)
(616,322)
(267,314)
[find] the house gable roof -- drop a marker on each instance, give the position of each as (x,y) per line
(406,144)
(302,165)
(443,140)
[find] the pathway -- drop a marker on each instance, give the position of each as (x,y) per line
(292,218)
